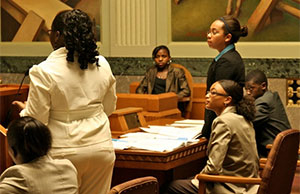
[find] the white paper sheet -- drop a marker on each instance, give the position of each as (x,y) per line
(161,138)
(191,121)
(187,133)
(148,141)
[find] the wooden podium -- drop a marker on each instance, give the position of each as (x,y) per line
(126,120)
(8,93)
(198,102)
(154,106)
(198,108)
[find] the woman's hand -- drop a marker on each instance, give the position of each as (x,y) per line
(19,104)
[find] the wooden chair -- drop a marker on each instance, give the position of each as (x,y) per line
(133,86)
(278,173)
(189,79)
(263,161)
(141,185)
(6,160)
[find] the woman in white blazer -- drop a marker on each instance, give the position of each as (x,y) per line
(73,93)
(35,172)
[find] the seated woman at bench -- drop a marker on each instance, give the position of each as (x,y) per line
(163,77)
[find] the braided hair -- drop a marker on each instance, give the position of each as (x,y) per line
(77,29)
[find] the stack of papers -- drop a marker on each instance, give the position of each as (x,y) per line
(161,138)
(147,141)
(190,122)
(186,133)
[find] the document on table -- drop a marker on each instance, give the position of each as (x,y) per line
(148,141)
(161,138)
(190,121)
(183,132)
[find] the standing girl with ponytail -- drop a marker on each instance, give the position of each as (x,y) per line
(228,64)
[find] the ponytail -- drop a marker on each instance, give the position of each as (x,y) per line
(244,31)
(29,137)
(246,108)
(244,104)
(232,26)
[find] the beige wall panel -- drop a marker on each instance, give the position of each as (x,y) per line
(133,27)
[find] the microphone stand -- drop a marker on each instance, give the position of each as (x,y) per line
(7,118)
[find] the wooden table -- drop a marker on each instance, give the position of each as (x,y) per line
(165,166)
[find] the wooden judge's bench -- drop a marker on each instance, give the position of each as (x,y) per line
(197,99)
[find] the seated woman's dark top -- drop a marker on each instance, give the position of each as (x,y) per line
(175,82)
(159,86)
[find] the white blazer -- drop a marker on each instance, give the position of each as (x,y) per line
(74,103)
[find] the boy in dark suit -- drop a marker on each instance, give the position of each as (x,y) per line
(270,118)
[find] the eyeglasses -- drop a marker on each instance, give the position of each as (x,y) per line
(212,32)
(214,93)
(249,89)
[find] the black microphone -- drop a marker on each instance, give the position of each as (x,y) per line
(7,118)
(27,72)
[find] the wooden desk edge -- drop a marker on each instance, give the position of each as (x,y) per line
(159,165)
(141,159)
(162,154)
(11,89)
